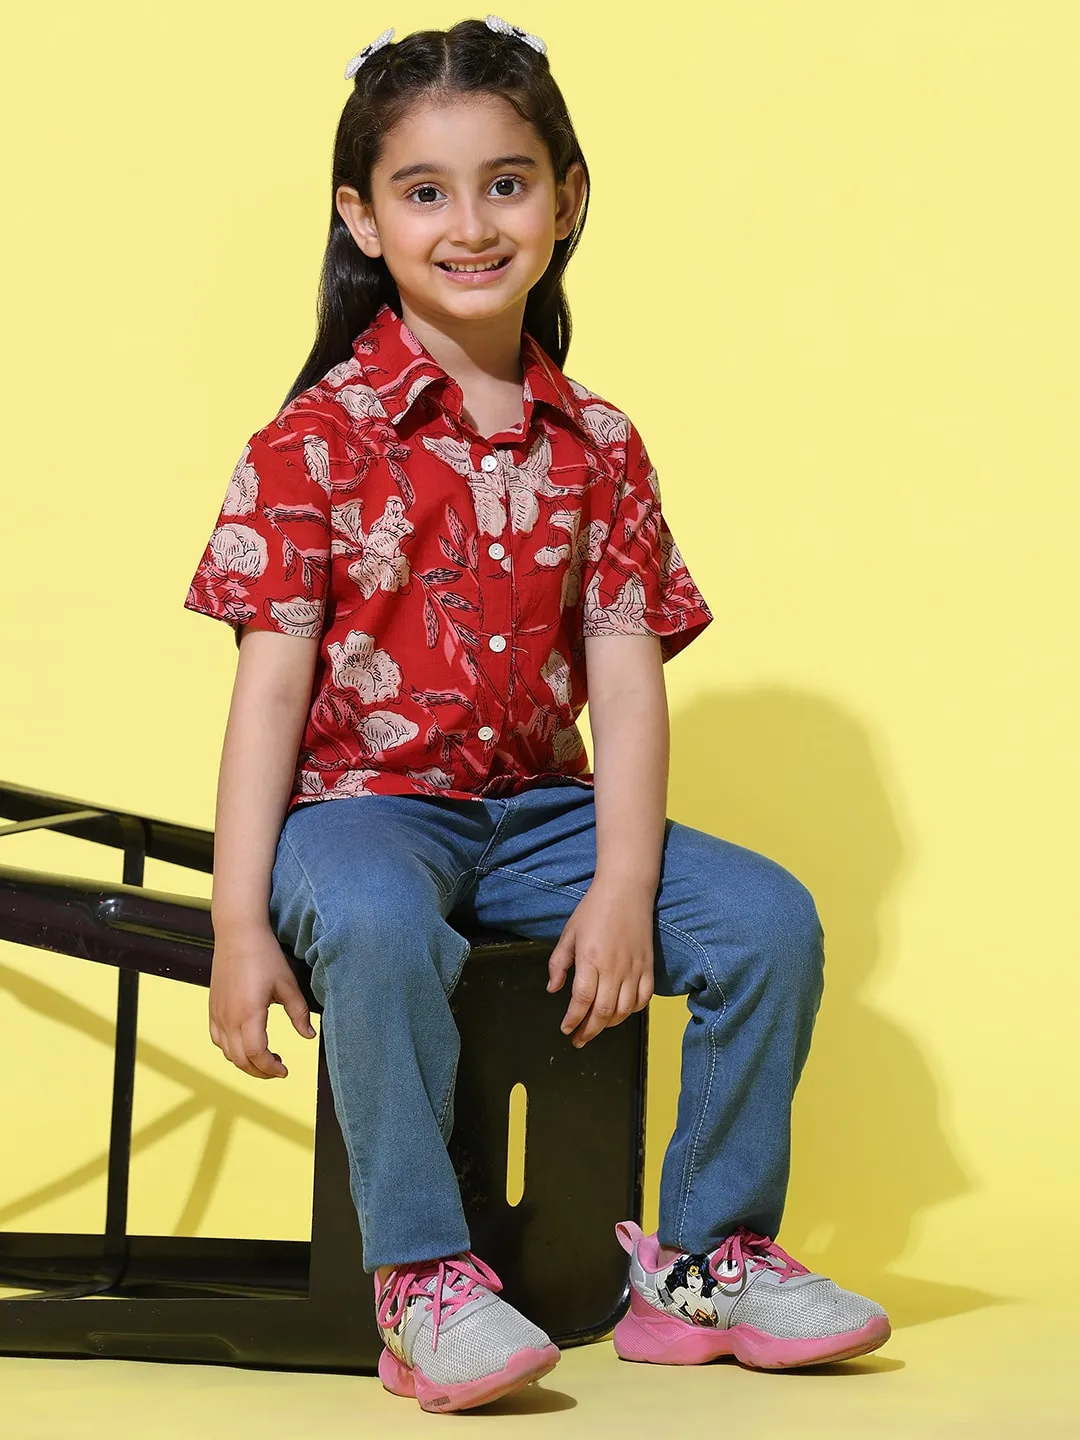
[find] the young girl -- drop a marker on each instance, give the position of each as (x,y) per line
(430,556)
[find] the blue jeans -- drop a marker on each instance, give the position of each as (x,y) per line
(362,888)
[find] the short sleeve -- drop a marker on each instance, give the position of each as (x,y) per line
(267,562)
(639,584)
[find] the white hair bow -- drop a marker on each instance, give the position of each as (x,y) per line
(503,27)
(367,52)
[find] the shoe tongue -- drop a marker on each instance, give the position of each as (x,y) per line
(723,1269)
(453,1281)
(453,1284)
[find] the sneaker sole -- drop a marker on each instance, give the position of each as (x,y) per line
(520,1370)
(661,1339)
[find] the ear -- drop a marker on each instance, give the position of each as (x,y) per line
(569,196)
(628,1234)
(360,219)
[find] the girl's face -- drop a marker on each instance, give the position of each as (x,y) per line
(467,180)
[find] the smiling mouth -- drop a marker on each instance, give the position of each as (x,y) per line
(482,269)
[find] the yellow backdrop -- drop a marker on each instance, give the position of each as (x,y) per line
(830,270)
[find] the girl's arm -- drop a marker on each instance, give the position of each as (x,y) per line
(609,938)
(270,700)
(628,718)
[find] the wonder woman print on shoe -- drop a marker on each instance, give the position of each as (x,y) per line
(748,1299)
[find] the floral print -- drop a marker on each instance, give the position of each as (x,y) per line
(450,579)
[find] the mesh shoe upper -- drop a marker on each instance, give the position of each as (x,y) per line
(809,1311)
(444,1318)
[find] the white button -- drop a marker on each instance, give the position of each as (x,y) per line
(496,551)
(489,463)
(497,642)
(486,732)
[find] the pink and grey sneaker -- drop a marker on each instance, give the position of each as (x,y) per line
(450,1341)
(748,1299)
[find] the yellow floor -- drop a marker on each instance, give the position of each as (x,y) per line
(1008,1370)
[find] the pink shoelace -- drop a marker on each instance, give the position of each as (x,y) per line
(745,1248)
(456,1274)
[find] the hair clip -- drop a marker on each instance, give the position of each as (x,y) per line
(367,52)
(503,27)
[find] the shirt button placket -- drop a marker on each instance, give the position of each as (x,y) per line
(497,617)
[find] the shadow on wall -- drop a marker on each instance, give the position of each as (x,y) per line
(795,778)
(203,1096)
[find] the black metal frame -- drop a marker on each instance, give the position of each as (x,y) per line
(235,1301)
(129,833)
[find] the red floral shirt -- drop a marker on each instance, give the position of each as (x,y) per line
(451,578)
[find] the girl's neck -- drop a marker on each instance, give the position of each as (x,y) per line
(481,357)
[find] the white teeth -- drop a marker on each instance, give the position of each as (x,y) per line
(470,269)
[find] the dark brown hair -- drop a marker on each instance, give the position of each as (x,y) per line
(467,59)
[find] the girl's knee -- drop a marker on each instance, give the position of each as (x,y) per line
(773,915)
(389,946)
(789,926)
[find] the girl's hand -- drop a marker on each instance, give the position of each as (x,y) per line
(247,975)
(609,941)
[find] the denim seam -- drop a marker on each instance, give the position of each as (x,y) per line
(494,839)
(450,899)
(357,1169)
(449,1095)
(533,880)
(711,1031)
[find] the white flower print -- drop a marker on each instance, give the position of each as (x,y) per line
(297,616)
(384,730)
(566,742)
(381,566)
(243,487)
(347,370)
(556,673)
(317,460)
(358,665)
(347,533)
(529,479)
(360,402)
(238,550)
(434,776)
(420,383)
(580,549)
(671,560)
(486,494)
(606,424)
(353,782)
(624,616)
(490,490)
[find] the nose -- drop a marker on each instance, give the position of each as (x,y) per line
(471,224)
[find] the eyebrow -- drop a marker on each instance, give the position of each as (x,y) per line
(425,167)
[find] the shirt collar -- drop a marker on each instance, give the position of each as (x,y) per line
(399,367)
